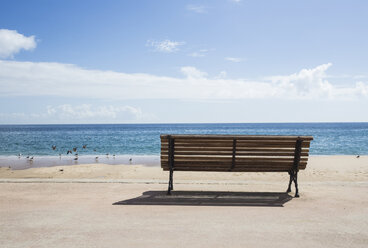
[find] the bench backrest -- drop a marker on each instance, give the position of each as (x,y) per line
(238,153)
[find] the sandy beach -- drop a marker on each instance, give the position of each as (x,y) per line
(101,205)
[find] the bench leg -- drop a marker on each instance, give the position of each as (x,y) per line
(296,184)
(293,178)
(171,185)
(290,181)
(172,181)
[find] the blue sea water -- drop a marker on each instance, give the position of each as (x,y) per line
(144,139)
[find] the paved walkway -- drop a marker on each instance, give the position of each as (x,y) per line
(116,214)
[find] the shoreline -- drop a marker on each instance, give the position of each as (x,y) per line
(319,168)
(23,163)
(42,161)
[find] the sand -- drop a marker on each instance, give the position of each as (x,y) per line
(102,206)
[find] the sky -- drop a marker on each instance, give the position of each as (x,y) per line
(178,61)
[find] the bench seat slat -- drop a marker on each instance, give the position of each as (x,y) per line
(243,137)
(255,149)
(229,158)
(228,164)
(239,166)
(178,141)
(238,144)
(238,153)
(213,169)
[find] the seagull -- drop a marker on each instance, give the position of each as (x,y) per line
(96,158)
(358,156)
(69,151)
(94,150)
(27,156)
(76,158)
(19,155)
(84,146)
(75,149)
(130,160)
(53,147)
(31,158)
(107,155)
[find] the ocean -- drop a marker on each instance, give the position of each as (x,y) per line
(135,143)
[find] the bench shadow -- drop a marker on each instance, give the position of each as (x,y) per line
(209,198)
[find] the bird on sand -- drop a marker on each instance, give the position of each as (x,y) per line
(358,156)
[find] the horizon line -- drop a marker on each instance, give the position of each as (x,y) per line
(168,123)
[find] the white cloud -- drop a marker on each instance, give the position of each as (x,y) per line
(233,59)
(56,79)
(67,113)
(87,111)
(306,82)
(222,74)
(166,46)
(192,72)
(236,1)
(11,42)
(197,8)
(360,77)
(200,53)
(196,54)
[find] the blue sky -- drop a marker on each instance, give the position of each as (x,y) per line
(183,61)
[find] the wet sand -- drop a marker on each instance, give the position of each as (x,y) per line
(21,163)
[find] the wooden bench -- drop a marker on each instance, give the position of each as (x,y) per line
(235,153)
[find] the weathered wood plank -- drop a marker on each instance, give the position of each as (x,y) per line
(185,141)
(226,158)
(227,170)
(239,137)
(238,153)
(226,163)
(239,144)
(255,166)
(256,149)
